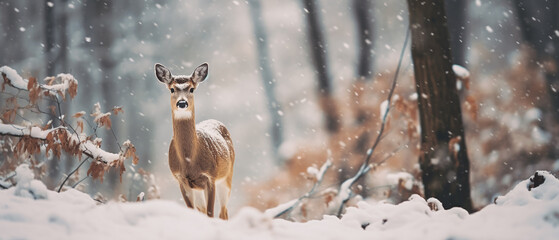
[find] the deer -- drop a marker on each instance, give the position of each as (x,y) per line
(201,156)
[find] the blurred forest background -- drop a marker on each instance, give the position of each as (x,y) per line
(292,81)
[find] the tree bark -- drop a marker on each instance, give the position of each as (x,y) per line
(456,17)
(443,158)
(320,63)
(267,77)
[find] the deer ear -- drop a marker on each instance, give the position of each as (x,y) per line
(162,73)
(200,73)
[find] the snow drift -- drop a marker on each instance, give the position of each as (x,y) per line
(30,211)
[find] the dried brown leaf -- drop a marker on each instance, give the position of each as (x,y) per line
(78,114)
(104,121)
(96,170)
(470,105)
(80,125)
(116,110)
(73,89)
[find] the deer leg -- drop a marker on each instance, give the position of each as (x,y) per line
(186,197)
(210,196)
(223,190)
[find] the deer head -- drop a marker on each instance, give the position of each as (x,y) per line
(182,88)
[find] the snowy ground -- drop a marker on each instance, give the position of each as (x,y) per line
(30,211)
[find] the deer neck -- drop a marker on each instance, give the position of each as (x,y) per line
(185,138)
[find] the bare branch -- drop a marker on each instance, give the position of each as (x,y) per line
(345,192)
(72,173)
(80,181)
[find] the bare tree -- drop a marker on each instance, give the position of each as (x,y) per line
(320,63)
(266,75)
(443,157)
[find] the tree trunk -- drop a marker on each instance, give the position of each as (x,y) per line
(267,77)
(319,59)
(49,37)
(62,30)
(443,157)
(457,12)
(363,17)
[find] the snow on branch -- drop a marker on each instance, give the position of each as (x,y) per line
(54,86)
(63,137)
(284,208)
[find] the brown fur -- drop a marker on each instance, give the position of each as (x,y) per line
(194,158)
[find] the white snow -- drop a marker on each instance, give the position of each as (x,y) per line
(16,80)
(16,130)
(312,171)
(460,71)
(383,107)
(36,132)
(489,29)
(65,80)
(28,187)
(520,214)
(533,114)
(413,97)
(407,179)
(271,212)
(540,136)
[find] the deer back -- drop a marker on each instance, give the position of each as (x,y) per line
(215,153)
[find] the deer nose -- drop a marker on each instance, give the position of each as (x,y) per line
(182,104)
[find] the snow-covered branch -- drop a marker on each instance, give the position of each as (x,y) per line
(63,137)
(284,208)
(54,86)
(87,147)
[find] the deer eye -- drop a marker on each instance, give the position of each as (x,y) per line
(172,90)
(191,90)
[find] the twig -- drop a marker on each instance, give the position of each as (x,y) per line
(72,173)
(3,180)
(80,181)
(345,188)
(310,193)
